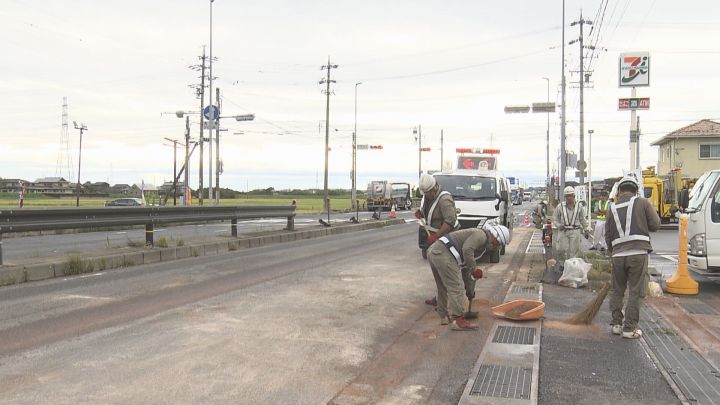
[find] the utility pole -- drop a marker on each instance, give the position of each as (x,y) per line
(581,22)
(210,103)
(327,82)
(217,150)
(547,143)
(201,94)
(82,127)
(174,141)
(442,143)
(418,132)
(186,186)
(563,155)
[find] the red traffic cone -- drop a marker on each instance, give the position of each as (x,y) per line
(526,221)
(393,214)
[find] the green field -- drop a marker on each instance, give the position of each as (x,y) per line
(305,204)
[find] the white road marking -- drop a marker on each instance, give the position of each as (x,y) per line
(671,258)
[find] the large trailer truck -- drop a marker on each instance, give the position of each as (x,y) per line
(382,195)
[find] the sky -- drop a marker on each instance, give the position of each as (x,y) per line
(443,67)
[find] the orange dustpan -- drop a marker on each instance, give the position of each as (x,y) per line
(520,310)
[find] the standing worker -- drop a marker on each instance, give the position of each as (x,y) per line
(452,256)
(600,210)
(438,211)
(571,223)
(627,234)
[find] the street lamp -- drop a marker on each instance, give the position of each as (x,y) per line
(82,127)
(590,132)
(239,118)
(547,143)
(186,186)
(353,195)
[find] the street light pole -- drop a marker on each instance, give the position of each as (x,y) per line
(82,127)
(174,141)
(187,157)
(418,131)
(590,133)
(353,195)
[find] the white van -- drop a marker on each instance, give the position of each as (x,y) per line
(479,197)
(703,209)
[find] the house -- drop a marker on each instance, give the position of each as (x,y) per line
(167,188)
(695,149)
(51,186)
(124,189)
(12,185)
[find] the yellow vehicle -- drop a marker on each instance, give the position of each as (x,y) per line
(663,192)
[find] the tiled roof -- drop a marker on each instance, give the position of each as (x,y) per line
(700,129)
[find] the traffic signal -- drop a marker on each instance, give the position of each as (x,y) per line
(376,146)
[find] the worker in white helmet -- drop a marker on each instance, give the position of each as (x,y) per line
(570,221)
(438,218)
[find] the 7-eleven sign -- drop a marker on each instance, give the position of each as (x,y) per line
(634,69)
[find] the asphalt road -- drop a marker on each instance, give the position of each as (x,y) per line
(302,322)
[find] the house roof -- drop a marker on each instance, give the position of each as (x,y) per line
(700,129)
(50,180)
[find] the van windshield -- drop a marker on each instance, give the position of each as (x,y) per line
(468,187)
(700,191)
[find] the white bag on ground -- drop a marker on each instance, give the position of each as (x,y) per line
(575,273)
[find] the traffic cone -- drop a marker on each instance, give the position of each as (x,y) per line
(526,221)
(393,214)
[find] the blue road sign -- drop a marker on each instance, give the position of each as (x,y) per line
(211,112)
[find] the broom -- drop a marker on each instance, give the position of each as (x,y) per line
(586,316)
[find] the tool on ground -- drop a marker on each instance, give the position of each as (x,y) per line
(469,278)
(520,310)
(586,316)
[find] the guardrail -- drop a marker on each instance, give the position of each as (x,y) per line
(37,219)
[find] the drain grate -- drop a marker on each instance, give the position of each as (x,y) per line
(535,245)
(523,289)
(699,308)
(514,335)
(503,382)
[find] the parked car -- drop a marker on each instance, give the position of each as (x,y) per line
(124,202)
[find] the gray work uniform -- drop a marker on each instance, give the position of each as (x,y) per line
(570,224)
(448,265)
(439,211)
(628,240)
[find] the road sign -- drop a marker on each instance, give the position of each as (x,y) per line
(543,107)
(581,165)
(584,174)
(634,69)
(634,103)
(211,112)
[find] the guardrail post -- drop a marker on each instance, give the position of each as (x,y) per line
(1,262)
(233,227)
(149,230)
(290,223)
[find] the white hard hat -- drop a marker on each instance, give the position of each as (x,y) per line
(629,180)
(499,232)
(427,182)
(569,190)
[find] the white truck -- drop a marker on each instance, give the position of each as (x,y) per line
(480,192)
(702,204)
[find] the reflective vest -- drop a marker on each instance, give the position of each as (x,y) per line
(601,208)
(569,220)
(432,210)
(453,249)
(625,232)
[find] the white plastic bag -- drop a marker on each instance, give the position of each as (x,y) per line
(654,289)
(575,273)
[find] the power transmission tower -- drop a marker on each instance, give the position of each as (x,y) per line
(327,81)
(582,22)
(64,158)
(200,91)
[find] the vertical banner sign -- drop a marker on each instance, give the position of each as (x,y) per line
(634,69)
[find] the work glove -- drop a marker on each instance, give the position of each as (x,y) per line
(432,238)
(477,273)
(418,214)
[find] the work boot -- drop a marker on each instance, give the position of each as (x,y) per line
(460,323)
(431,301)
(444,320)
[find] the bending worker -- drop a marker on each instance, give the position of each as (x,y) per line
(438,211)
(452,256)
(627,234)
(571,223)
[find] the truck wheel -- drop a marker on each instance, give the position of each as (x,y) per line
(502,250)
(495,257)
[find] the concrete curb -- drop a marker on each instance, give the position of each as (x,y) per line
(33,272)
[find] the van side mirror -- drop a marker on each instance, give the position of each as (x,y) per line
(684,198)
(504,195)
